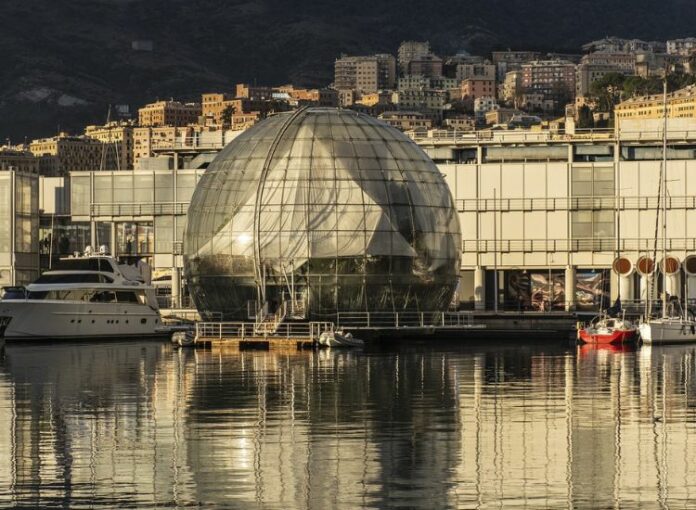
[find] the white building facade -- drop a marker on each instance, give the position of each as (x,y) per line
(551,212)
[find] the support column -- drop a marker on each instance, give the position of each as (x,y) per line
(570,288)
(674,287)
(645,281)
(93,236)
(626,287)
(479,288)
(112,239)
(176,287)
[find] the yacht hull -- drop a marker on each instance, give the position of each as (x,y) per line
(47,320)
(668,331)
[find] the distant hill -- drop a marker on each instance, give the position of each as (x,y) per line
(64,61)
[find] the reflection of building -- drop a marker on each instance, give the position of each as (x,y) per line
(539,427)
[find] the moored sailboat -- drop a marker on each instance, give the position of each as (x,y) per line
(675,326)
(606,329)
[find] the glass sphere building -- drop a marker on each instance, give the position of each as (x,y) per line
(327,209)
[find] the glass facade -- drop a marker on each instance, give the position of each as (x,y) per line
(329,207)
(138,212)
(19,227)
(135,238)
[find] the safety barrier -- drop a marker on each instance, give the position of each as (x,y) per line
(244,330)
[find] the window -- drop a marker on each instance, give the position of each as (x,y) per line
(587,181)
(124,296)
(74,278)
(135,238)
(102,296)
(85,264)
(592,224)
(80,196)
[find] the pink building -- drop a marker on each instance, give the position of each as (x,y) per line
(474,88)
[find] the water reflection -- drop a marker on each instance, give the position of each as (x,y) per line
(426,426)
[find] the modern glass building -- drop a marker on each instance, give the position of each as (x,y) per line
(326,210)
(19,220)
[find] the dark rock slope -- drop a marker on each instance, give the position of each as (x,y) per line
(64,61)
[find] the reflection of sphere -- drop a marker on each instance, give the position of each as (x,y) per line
(329,205)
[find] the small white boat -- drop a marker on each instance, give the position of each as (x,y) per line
(339,339)
(90,296)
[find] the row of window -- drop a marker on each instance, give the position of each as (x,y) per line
(86,295)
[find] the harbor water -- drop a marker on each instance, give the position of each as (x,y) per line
(420,425)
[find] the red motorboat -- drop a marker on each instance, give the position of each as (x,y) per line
(608,330)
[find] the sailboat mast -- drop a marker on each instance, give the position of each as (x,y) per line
(663,176)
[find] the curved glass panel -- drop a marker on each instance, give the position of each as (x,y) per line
(326,207)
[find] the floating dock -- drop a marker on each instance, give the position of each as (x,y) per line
(297,334)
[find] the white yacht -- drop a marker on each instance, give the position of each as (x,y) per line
(90,296)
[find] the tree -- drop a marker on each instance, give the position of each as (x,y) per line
(608,91)
(585,118)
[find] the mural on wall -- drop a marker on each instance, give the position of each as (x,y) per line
(543,290)
(592,289)
(518,295)
(548,291)
(535,290)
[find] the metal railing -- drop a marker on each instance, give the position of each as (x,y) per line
(139,209)
(248,330)
(571,203)
(440,137)
(444,136)
(396,320)
(188,143)
(642,245)
(517,135)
